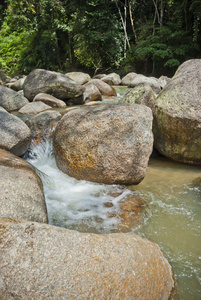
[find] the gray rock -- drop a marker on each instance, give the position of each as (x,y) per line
(11,100)
(79,77)
(21,194)
(49,100)
(126,80)
(40,261)
(34,108)
(163,80)
(107,144)
(112,79)
(42,125)
(139,79)
(53,83)
(177,115)
(141,94)
(17,85)
(15,135)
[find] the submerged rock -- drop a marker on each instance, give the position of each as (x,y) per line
(15,135)
(53,83)
(177,115)
(21,189)
(107,144)
(56,263)
(11,100)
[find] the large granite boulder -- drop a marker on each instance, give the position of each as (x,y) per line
(40,261)
(11,100)
(127,79)
(43,125)
(112,79)
(107,144)
(53,83)
(104,88)
(177,115)
(141,94)
(79,77)
(21,189)
(139,79)
(15,135)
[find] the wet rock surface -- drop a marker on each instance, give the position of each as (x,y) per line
(21,194)
(106,144)
(56,263)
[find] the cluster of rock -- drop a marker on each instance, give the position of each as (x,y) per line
(106,143)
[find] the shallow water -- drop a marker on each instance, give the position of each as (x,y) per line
(171,217)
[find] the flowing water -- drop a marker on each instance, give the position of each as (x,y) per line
(171,217)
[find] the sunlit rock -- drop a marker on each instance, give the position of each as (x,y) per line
(49,100)
(104,88)
(92,92)
(21,189)
(112,79)
(177,115)
(56,263)
(107,143)
(79,77)
(34,108)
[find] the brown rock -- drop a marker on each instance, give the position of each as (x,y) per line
(21,194)
(106,143)
(40,261)
(79,77)
(93,92)
(49,100)
(104,88)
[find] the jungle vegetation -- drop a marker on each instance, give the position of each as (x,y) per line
(152,37)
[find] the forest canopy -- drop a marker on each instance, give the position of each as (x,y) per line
(146,36)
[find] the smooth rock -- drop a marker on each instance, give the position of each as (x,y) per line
(141,94)
(177,115)
(107,143)
(163,80)
(17,85)
(11,100)
(139,79)
(15,135)
(53,83)
(93,92)
(126,80)
(40,261)
(112,79)
(79,77)
(21,194)
(49,100)
(34,108)
(104,88)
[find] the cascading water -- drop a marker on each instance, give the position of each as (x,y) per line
(171,217)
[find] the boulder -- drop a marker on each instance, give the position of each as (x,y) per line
(177,115)
(163,80)
(79,77)
(11,100)
(3,109)
(49,100)
(93,92)
(40,261)
(139,79)
(34,108)
(104,88)
(42,125)
(17,85)
(126,80)
(99,76)
(15,135)
(53,83)
(112,79)
(108,143)
(21,194)
(141,94)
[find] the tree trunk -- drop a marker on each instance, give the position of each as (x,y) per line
(132,22)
